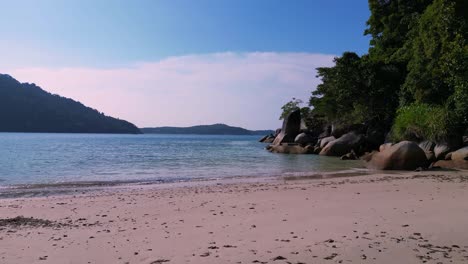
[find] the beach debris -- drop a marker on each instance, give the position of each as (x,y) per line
(332,256)
(21,221)
(279,258)
(159,261)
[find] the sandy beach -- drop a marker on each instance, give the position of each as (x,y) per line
(411,217)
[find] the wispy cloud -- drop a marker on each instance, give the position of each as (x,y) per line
(245,89)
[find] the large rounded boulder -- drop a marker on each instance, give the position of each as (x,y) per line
(325,141)
(405,155)
(304,139)
(291,128)
(441,149)
(343,145)
(461,154)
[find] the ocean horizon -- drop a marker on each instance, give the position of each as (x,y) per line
(57,159)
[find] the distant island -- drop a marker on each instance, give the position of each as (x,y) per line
(25,107)
(216,129)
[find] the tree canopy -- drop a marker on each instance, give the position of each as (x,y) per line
(417,62)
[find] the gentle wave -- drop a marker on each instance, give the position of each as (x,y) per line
(90,160)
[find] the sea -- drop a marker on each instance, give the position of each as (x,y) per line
(43,159)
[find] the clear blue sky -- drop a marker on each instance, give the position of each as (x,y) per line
(90,32)
(99,34)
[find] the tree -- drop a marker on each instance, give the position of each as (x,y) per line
(357,90)
(290,106)
(389,25)
(438,63)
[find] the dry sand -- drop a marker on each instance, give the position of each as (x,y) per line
(417,217)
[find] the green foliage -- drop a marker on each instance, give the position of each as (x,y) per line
(389,25)
(438,54)
(418,60)
(421,121)
(289,107)
(357,90)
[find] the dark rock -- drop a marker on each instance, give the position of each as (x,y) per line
(325,141)
(374,138)
(430,156)
(349,156)
(356,128)
(304,139)
(440,150)
(427,146)
(405,155)
(291,128)
(443,148)
(326,132)
(343,145)
(317,150)
(267,139)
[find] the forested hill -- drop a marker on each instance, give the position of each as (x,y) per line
(216,129)
(25,107)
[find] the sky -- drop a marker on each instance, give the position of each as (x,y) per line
(179,62)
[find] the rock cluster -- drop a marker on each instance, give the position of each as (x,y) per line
(361,142)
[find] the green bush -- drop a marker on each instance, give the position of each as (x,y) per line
(420,122)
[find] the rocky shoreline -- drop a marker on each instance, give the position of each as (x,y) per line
(371,145)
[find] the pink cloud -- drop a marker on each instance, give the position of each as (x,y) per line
(244,89)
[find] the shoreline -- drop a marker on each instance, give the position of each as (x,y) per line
(73,187)
(411,217)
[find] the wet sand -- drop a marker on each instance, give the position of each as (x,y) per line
(413,217)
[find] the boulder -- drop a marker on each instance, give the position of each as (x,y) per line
(343,145)
(267,139)
(452,143)
(440,150)
(291,149)
(340,131)
(427,146)
(451,164)
(325,141)
(291,128)
(326,132)
(405,155)
(317,150)
(461,154)
(304,139)
(385,146)
(430,156)
(448,156)
(349,156)
(277,132)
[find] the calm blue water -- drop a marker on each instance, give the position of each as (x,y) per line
(60,158)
